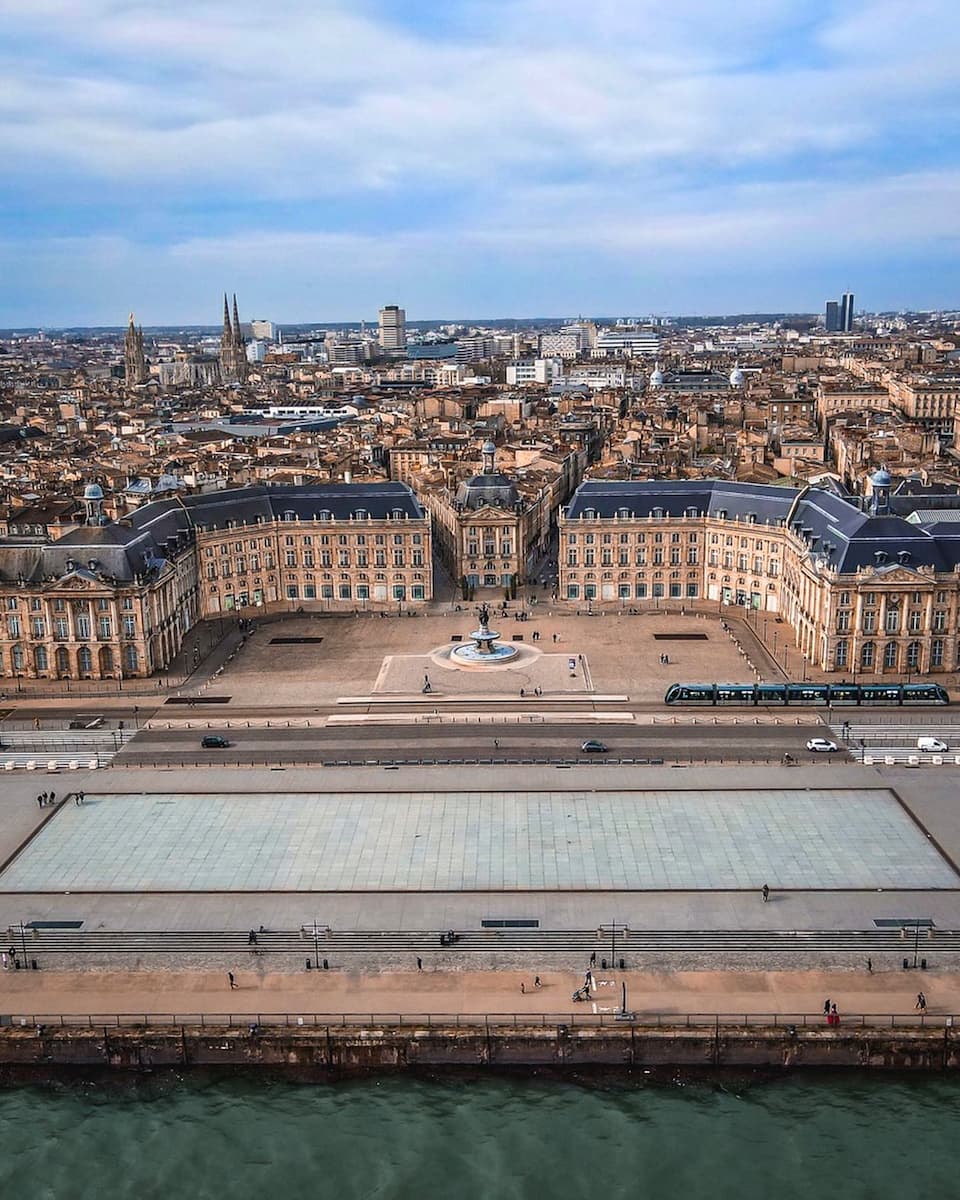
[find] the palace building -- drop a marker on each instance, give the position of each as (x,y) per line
(116,599)
(865,589)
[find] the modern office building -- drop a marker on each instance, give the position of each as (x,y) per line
(393,329)
(833,317)
(864,591)
(846,312)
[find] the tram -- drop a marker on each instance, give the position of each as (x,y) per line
(866,695)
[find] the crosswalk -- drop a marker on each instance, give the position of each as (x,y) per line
(896,742)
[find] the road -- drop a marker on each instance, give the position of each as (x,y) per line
(506,742)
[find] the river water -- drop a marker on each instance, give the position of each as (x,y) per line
(849,1137)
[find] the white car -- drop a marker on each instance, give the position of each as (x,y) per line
(822,746)
(933,744)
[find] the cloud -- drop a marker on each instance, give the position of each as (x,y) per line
(503,123)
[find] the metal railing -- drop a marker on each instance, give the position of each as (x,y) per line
(788,1023)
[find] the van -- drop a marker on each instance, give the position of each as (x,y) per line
(935,745)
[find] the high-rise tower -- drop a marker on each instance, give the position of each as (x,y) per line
(833,317)
(134,361)
(233,352)
(393,329)
(846,312)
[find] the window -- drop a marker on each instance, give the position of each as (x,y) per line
(84,660)
(292,591)
(890,655)
(939,621)
(104,629)
(869,622)
(38,628)
(913,656)
(129,627)
(891,621)
(41,659)
(915,621)
(840,653)
(867,655)
(936,652)
(843,622)
(83,625)
(131,659)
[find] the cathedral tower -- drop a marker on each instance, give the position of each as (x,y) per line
(233,352)
(134,361)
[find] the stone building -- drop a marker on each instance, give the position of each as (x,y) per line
(134,359)
(116,599)
(864,590)
(233,352)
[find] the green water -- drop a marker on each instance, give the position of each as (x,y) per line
(845,1137)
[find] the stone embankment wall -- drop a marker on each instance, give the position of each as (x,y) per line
(357,1051)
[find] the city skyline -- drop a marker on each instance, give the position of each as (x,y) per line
(510,157)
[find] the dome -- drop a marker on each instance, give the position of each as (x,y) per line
(881,477)
(656,377)
(488,448)
(497,490)
(736,377)
(93,491)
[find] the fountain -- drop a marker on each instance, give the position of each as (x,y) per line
(484,652)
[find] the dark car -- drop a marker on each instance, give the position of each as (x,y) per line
(213,741)
(593,747)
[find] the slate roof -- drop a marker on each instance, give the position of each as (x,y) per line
(835,530)
(141,543)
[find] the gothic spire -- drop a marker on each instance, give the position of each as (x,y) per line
(237,337)
(227,331)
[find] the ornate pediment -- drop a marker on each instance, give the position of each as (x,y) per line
(80,581)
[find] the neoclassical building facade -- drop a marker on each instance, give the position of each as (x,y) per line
(114,600)
(864,590)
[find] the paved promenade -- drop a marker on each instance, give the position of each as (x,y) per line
(676,994)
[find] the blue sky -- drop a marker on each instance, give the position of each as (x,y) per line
(475,157)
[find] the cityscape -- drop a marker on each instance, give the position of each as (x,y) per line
(479,599)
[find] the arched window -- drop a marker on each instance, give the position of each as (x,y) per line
(131,660)
(84,661)
(840,654)
(41,659)
(17,658)
(890,655)
(868,654)
(913,656)
(62,658)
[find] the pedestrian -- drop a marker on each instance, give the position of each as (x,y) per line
(76,799)
(523,692)
(593,959)
(4,960)
(826,1008)
(83,797)
(580,658)
(536,981)
(419,963)
(765,892)
(233,982)
(921,1002)
(252,938)
(869,966)
(834,1015)
(53,798)
(40,801)
(36,722)
(523,990)
(496,743)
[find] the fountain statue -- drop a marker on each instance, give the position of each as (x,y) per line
(484,651)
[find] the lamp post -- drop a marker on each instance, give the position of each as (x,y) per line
(614,928)
(23,943)
(316,944)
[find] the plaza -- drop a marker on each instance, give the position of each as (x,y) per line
(481,841)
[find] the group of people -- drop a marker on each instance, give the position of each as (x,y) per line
(45,799)
(537,691)
(664,660)
(830,1012)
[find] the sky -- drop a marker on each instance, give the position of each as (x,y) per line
(475,158)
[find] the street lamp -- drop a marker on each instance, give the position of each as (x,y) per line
(614,928)
(23,943)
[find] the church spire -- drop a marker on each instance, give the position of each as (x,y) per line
(227,331)
(237,336)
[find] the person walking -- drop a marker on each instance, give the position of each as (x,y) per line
(826,1008)
(834,1015)
(523,990)
(232,981)
(921,1004)
(40,801)
(419,963)
(536,981)
(496,743)
(252,938)
(593,959)
(53,798)
(869,966)
(765,892)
